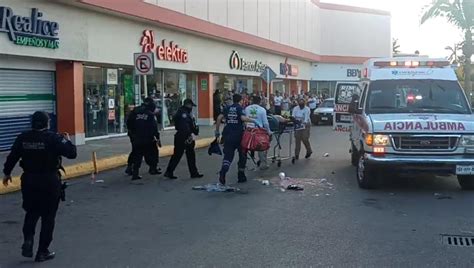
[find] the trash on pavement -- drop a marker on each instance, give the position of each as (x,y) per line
(265,182)
(215,187)
(326,154)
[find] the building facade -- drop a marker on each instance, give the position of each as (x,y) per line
(75,59)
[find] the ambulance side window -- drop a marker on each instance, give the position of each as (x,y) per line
(364,95)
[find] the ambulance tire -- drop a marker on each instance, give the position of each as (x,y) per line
(366,176)
(466,182)
(354,156)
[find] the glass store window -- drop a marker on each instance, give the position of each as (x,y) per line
(237,84)
(108,98)
(169,89)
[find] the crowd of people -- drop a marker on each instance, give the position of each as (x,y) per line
(40,150)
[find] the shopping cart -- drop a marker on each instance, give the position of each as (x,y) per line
(281,127)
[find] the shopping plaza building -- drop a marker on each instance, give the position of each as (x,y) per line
(75,58)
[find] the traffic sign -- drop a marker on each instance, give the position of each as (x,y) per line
(268,74)
(144,63)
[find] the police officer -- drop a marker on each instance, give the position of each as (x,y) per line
(152,158)
(185,125)
(40,151)
(233,131)
(144,135)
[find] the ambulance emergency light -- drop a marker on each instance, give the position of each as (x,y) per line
(411,64)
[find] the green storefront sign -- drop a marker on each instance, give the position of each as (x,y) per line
(33,30)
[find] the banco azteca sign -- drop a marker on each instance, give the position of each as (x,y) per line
(32,30)
(239,63)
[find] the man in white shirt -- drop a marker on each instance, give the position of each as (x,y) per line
(302,114)
(259,115)
(277,102)
(312,104)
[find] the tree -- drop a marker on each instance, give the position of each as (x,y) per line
(395,46)
(454,58)
(460,13)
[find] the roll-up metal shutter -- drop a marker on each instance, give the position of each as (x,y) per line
(22,92)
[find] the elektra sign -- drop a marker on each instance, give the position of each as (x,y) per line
(29,31)
(238,63)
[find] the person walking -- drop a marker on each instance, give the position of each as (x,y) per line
(259,115)
(277,102)
(312,104)
(40,151)
(145,137)
(217,103)
(232,135)
(302,133)
(185,125)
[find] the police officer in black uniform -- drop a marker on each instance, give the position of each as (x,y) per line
(151,159)
(185,125)
(40,151)
(144,135)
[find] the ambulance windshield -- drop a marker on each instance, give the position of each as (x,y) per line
(416,96)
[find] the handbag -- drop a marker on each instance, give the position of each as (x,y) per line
(255,139)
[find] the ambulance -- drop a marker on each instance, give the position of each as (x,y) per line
(411,115)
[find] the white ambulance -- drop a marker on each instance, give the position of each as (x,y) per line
(411,115)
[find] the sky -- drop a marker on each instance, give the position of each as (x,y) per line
(430,38)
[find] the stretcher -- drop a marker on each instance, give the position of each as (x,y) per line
(281,127)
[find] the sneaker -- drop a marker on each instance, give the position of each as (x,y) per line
(27,249)
(197,176)
(170,176)
(44,256)
(308,155)
(136,178)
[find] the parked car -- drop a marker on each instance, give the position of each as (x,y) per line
(324,113)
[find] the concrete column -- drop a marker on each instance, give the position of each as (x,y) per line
(205,100)
(70,99)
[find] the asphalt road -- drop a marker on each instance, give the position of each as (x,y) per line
(162,223)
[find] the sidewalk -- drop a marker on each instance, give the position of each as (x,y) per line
(111,153)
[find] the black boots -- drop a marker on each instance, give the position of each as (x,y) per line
(44,256)
(129,170)
(242,177)
(27,248)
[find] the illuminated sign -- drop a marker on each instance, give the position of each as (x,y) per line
(288,69)
(239,63)
(166,51)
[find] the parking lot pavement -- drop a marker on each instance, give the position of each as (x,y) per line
(163,223)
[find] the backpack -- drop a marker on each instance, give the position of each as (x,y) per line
(255,139)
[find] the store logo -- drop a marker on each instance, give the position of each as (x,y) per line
(167,51)
(239,63)
(29,31)
(288,69)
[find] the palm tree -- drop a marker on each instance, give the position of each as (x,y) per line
(454,57)
(460,13)
(395,46)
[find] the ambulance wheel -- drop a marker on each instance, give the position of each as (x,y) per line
(466,182)
(366,177)
(354,156)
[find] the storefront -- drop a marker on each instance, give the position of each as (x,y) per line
(77,63)
(326,76)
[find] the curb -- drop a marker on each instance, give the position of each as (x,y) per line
(87,168)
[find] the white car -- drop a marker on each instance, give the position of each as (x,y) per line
(324,113)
